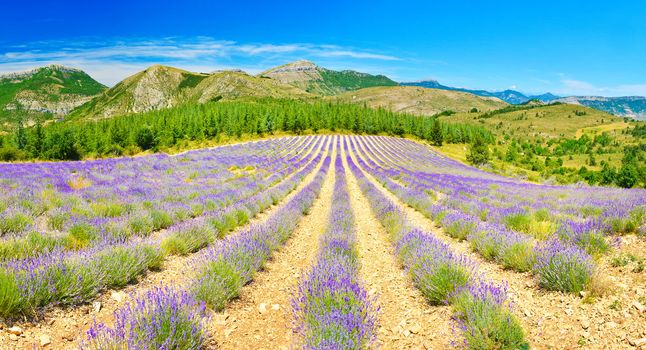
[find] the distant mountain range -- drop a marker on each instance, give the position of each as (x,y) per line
(55,91)
(422,101)
(629,106)
(509,96)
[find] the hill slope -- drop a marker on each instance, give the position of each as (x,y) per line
(314,79)
(532,121)
(421,101)
(629,106)
(44,93)
(509,96)
(160,87)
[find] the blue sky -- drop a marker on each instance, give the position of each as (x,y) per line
(565,47)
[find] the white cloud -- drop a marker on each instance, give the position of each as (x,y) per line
(111,61)
(578,87)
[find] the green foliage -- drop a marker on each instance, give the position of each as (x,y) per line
(439,285)
(121,265)
(219,283)
(478,152)
(436,136)
(11,299)
(188,240)
(145,138)
(489,326)
(199,122)
(191,80)
(519,256)
(460,229)
(350,80)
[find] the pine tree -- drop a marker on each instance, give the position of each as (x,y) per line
(478,152)
(436,133)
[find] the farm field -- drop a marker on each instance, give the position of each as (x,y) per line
(317,242)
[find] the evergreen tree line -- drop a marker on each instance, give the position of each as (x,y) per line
(163,129)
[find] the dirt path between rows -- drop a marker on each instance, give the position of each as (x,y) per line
(261,318)
(64,327)
(406,320)
(551,320)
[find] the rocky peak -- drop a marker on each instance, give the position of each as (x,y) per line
(296,66)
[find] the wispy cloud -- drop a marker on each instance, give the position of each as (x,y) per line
(112,60)
(580,87)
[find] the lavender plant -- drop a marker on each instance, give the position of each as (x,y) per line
(485,319)
(162,318)
(331,308)
(563,267)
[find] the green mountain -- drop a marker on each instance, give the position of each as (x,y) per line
(44,93)
(159,87)
(321,81)
(419,100)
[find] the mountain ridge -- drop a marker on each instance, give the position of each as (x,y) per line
(159,87)
(624,106)
(44,93)
(311,78)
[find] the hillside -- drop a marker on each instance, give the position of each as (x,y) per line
(160,87)
(420,101)
(545,121)
(317,80)
(509,96)
(230,85)
(43,93)
(629,106)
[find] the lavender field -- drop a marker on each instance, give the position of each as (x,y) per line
(316,242)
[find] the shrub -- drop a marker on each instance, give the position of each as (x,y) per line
(563,268)
(188,238)
(517,222)
(121,265)
(438,277)
(11,298)
(486,319)
(162,318)
(56,221)
(219,283)
(518,256)
(35,243)
(79,236)
(14,222)
(141,225)
(160,219)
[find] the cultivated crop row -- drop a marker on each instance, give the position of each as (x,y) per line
(73,276)
(523,233)
(331,308)
(175,318)
(444,276)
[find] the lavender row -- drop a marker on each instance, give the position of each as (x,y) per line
(517,205)
(332,308)
(444,277)
(169,318)
(557,265)
(71,277)
(189,237)
(231,263)
(95,231)
(102,191)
